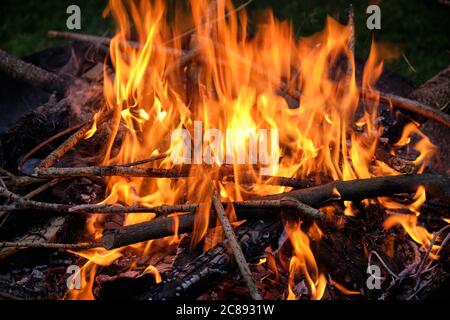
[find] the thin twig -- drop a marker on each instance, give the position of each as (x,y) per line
(51,159)
(65,246)
(46,142)
(105,171)
(151,159)
(394,275)
(187,172)
(351,41)
(42,188)
(72,141)
(107,41)
(235,247)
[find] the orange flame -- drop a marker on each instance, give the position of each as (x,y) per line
(234,97)
(303,262)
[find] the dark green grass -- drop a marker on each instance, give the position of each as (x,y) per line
(420,28)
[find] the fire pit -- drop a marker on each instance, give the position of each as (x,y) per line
(169,163)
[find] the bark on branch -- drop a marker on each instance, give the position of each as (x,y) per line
(31,74)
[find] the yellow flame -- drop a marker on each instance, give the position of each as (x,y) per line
(235,82)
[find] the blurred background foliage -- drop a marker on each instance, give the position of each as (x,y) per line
(419,29)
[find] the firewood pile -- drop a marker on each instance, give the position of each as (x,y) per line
(82,186)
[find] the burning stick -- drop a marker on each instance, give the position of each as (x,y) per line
(46,142)
(15,182)
(58,246)
(126,171)
(72,141)
(235,247)
(30,74)
(51,159)
(106,171)
(352,190)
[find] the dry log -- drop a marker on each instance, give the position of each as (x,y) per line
(193,279)
(353,190)
(42,234)
(16,182)
(209,269)
(284,203)
(435,92)
(33,75)
(401,165)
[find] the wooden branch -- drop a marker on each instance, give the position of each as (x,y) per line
(270,180)
(106,41)
(44,187)
(16,182)
(46,142)
(19,203)
(72,141)
(105,171)
(109,209)
(353,190)
(410,106)
(64,246)
(31,74)
(185,172)
(235,247)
